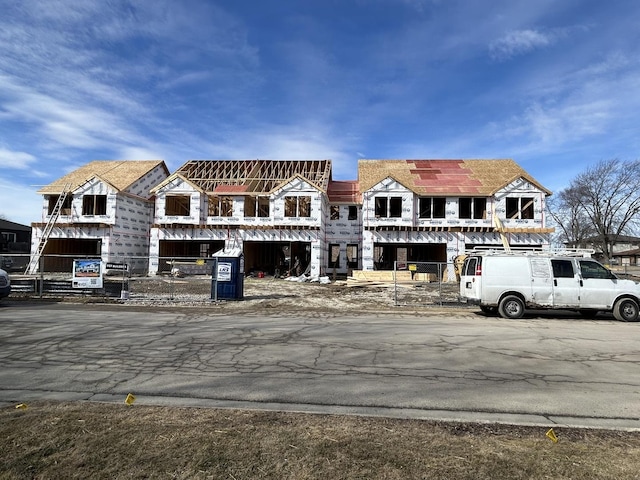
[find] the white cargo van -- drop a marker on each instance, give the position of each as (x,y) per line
(509,282)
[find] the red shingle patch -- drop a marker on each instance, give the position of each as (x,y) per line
(230,189)
(346,191)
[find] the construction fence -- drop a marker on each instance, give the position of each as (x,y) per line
(189,280)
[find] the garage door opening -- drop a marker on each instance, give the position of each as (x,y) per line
(59,253)
(185,250)
(386,254)
(277,258)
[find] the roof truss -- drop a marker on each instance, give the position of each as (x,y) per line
(257,176)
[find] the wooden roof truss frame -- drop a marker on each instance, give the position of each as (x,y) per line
(258,176)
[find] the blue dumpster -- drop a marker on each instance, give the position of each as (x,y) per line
(227,275)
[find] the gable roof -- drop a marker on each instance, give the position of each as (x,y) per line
(170,179)
(254,176)
(9,225)
(118,173)
(445,177)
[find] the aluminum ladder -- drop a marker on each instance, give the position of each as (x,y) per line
(53,218)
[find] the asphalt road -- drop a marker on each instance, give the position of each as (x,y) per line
(447,364)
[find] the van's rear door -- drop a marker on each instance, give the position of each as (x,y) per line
(470,279)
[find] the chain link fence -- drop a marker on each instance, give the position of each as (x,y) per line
(424,283)
(189,280)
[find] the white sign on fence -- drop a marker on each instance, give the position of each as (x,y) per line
(224,272)
(87,273)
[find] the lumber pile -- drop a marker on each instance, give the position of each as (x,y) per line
(385,278)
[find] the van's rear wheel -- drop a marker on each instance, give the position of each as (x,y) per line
(626,310)
(511,306)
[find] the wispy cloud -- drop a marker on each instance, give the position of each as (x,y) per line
(519,42)
(17,160)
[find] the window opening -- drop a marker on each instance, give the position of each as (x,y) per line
(334,255)
(297,206)
(177,205)
(381,207)
(220,206)
(395,207)
(66,205)
(352,255)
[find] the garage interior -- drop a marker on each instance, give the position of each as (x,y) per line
(185,249)
(277,258)
(59,253)
(385,254)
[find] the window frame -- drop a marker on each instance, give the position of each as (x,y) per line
(94,205)
(297,206)
(177,203)
(520,208)
(431,208)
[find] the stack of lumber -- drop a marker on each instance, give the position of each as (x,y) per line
(384,278)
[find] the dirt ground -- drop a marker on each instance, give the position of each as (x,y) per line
(282,294)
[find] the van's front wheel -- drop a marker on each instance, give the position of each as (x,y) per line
(512,307)
(626,310)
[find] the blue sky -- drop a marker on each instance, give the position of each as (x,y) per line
(555,85)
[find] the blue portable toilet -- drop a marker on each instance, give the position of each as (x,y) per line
(227,275)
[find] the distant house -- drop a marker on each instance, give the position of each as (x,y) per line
(619,244)
(15,239)
(627,257)
(107,213)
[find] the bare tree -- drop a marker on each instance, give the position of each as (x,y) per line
(608,195)
(573,226)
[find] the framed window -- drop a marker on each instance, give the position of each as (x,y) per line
(256,206)
(472,208)
(250,206)
(94,205)
(381,207)
(352,255)
(334,255)
(520,208)
(220,206)
(9,237)
(297,206)
(177,205)
(431,207)
(388,207)
(395,207)
(335,212)
(66,205)
(263,207)
(353,212)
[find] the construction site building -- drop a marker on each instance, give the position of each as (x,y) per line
(289,216)
(435,210)
(274,210)
(102,209)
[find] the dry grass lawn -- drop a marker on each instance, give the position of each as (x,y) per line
(90,440)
